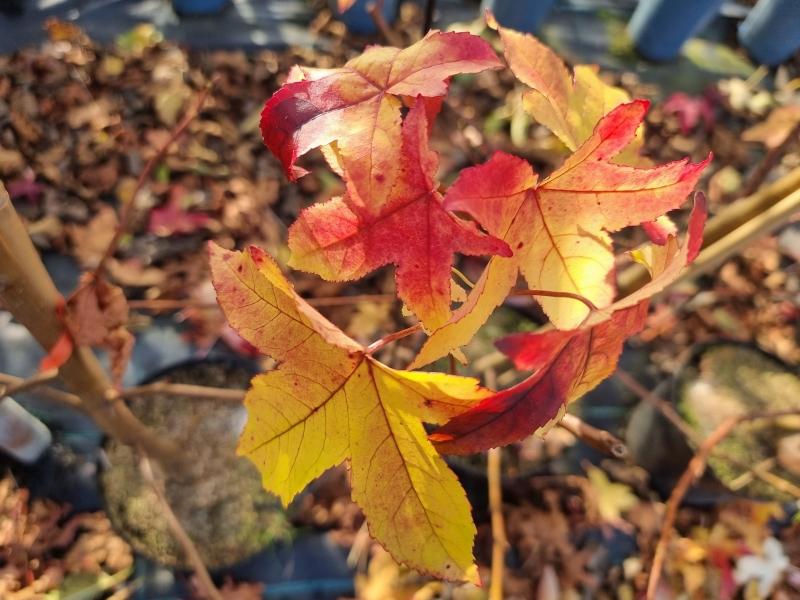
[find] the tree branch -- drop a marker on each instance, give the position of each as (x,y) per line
(693,472)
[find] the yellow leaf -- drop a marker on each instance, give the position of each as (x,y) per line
(329,401)
(612,499)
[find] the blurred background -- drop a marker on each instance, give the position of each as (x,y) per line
(89,92)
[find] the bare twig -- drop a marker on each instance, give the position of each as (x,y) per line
(393,337)
(669,412)
(599,439)
(693,472)
(180,389)
(499,540)
(41,378)
(430,12)
(127,209)
(554,294)
(773,157)
(189,549)
(375,10)
(44,391)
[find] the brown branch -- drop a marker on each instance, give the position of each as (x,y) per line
(773,157)
(44,391)
(189,549)
(599,439)
(375,10)
(28,292)
(179,389)
(393,337)
(127,209)
(41,378)
(554,294)
(669,412)
(494,475)
(693,472)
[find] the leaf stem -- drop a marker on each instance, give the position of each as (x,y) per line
(462,277)
(392,337)
(554,294)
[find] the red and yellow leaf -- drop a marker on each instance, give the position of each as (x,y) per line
(345,238)
(329,401)
(567,364)
(558,228)
(358,105)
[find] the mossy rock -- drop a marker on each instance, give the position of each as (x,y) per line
(728,380)
(218,496)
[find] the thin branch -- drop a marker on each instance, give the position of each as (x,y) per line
(430,11)
(669,412)
(693,472)
(599,439)
(180,389)
(499,540)
(44,391)
(554,294)
(393,337)
(375,10)
(127,209)
(189,549)
(22,385)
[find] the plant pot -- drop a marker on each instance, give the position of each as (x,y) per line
(522,15)
(771,32)
(218,496)
(359,21)
(659,28)
(719,380)
(199,8)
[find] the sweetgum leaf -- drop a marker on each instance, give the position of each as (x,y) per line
(558,229)
(328,402)
(346,238)
(358,105)
(567,364)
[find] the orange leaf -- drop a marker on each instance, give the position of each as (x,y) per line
(346,238)
(358,105)
(97,315)
(558,229)
(567,364)
(329,401)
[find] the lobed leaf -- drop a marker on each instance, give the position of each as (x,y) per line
(567,364)
(358,105)
(558,229)
(328,401)
(346,238)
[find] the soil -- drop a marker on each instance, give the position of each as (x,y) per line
(218,499)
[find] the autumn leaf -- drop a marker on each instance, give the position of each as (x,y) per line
(567,364)
(612,499)
(358,106)
(779,125)
(97,316)
(329,401)
(345,239)
(568,105)
(558,229)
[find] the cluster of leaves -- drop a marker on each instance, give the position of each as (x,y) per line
(330,400)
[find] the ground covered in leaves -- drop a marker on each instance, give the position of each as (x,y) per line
(79,121)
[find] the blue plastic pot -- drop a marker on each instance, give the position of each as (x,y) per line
(522,15)
(358,20)
(659,28)
(190,8)
(771,32)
